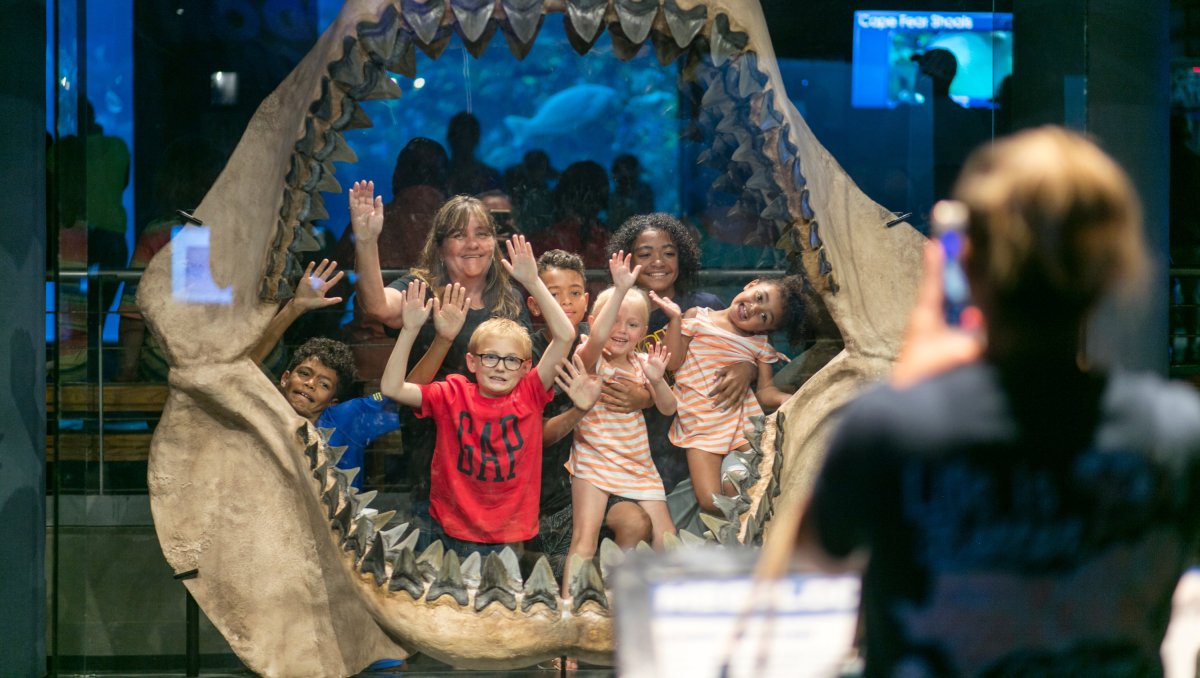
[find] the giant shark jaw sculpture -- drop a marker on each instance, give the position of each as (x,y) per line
(287,559)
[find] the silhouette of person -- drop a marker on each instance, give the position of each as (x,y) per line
(630,194)
(468,175)
(529,185)
(956,130)
(579,198)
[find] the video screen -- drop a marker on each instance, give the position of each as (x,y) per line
(887,45)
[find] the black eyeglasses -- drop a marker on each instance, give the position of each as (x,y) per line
(511,362)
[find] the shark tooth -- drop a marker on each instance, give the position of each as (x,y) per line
(352,116)
(806,211)
(340,521)
(691,539)
(441,41)
(797,174)
(375,562)
(760,511)
(391,537)
(814,236)
(359,537)
(512,567)
(785,149)
(323,106)
(376,85)
(768,118)
(724,42)
(424,17)
(310,451)
(623,48)
(728,506)
(823,264)
(684,24)
(472,16)
(409,543)
(431,559)
(671,541)
(471,569)
(348,71)
(754,435)
(494,585)
(377,39)
(611,556)
(307,144)
(722,530)
(405,575)
(777,211)
(737,478)
(524,18)
(403,59)
(321,472)
(519,49)
(752,533)
(449,582)
(665,49)
(478,46)
(541,587)
(313,208)
(762,182)
(328,184)
(587,585)
(335,149)
(749,79)
(362,500)
(302,433)
(586,18)
(643,547)
(636,17)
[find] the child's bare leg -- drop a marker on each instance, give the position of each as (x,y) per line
(587,512)
(629,524)
(660,519)
(705,470)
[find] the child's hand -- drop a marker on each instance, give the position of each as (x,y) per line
(451,313)
(670,308)
(523,266)
(366,211)
(573,379)
(731,383)
(654,362)
(414,308)
(618,267)
(314,284)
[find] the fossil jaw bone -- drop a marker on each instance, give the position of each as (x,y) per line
(259,511)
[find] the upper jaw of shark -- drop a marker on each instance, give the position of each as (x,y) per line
(294,568)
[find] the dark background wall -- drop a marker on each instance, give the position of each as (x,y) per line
(22,346)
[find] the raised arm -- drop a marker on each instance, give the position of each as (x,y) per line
(654,366)
(366,219)
(583,389)
(522,266)
(623,279)
(676,343)
(448,319)
(310,295)
(415,311)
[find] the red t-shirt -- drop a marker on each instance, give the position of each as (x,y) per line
(486,473)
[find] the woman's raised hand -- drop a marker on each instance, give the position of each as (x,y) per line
(415,308)
(366,211)
(521,264)
(451,313)
(622,276)
(316,282)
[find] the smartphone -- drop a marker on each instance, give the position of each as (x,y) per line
(948,221)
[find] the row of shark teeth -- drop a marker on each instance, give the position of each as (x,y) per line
(759,164)
(756,475)
(389,555)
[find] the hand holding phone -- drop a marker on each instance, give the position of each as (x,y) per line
(949,224)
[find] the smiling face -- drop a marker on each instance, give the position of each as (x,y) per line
(468,252)
(310,387)
(629,328)
(758,308)
(566,286)
(499,379)
(655,251)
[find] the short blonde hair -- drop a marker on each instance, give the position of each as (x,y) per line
(1054,226)
(604,296)
(502,327)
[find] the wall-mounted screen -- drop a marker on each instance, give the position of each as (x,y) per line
(888,46)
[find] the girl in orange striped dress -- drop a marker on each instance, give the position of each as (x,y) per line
(611,455)
(702,342)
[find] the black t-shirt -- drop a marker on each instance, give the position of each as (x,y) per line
(418,434)
(1020,525)
(556,482)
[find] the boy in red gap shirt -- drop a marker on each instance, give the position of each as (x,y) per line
(487,466)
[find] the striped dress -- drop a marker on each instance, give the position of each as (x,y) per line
(612,451)
(699,425)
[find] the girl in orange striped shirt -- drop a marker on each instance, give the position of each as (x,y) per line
(703,342)
(612,453)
